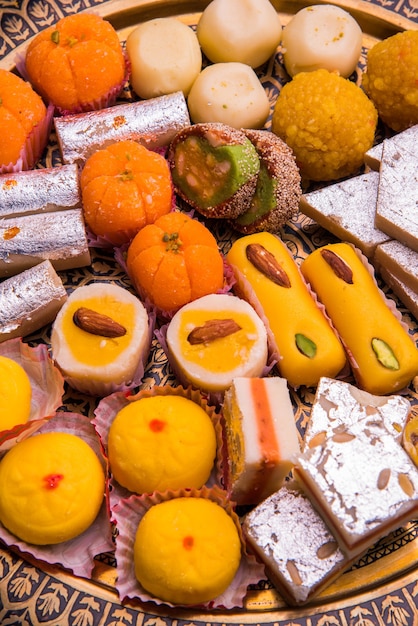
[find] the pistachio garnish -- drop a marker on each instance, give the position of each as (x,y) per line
(406,485)
(97,324)
(305,345)
(211,330)
(338,265)
(266,263)
(385,354)
(294,572)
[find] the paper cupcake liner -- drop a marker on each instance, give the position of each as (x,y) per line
(47,386)
(110,406)
(76,555)
(34,145)
(129,513)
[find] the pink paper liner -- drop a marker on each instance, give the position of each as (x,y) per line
(214,397)
(47,386)
(102,389)
(108,408)
(34,145)
(76,555)
(129,513)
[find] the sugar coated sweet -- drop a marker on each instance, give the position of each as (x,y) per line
(391,79)
(246,31)
(328,121)
(165,57)
(187,550)
(230,93)
(322,36)
(51,488)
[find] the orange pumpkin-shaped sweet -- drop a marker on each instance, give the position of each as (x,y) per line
(22,111)
(174,261)
(124,187)
(77,62)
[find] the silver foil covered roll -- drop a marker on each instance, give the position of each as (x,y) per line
(59,236)
(339,405)
(41,190)
(151,122)
(362,482)
(30,300)
(300,553)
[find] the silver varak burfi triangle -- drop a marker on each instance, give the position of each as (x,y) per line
(397,198)
(300,553)
(347,209)
(407,140)
(362,482)
(338,405)
(399,260)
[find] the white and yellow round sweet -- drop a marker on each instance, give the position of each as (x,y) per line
(92,359)
(215,339)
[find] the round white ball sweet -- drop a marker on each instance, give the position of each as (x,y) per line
(229,93)
(245,31)
(165,57)
(322,37)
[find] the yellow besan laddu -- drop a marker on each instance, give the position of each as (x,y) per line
(268,277)
(383,356)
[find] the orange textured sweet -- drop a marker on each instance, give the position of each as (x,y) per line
(174,261)
(21,110)
(124,187)
(76,62)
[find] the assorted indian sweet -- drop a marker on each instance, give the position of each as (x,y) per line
(229,93)
(328,121)
(30,300)
(124,187)
(215,339)
(370,489)
(175,261)
(384,357)
(46,495)
(24,123)
(100,338)
(77,64)
(277,195)
(244,32)
(322,36)
(398,189)
(162,442)
(153,123)
(194,538)
(261,437)
(347,209)
(339,404)
(214,168)
(300,552)
(165,57)
(15,394)
(390,79)
(269,278)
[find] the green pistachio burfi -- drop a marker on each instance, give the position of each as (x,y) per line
(278,190)
(214,169)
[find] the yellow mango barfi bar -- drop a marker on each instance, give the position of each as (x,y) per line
(268,277)
(383,356)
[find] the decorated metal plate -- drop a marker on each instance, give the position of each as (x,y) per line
(382,587)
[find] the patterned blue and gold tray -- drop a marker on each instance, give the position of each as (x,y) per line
(382,588)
